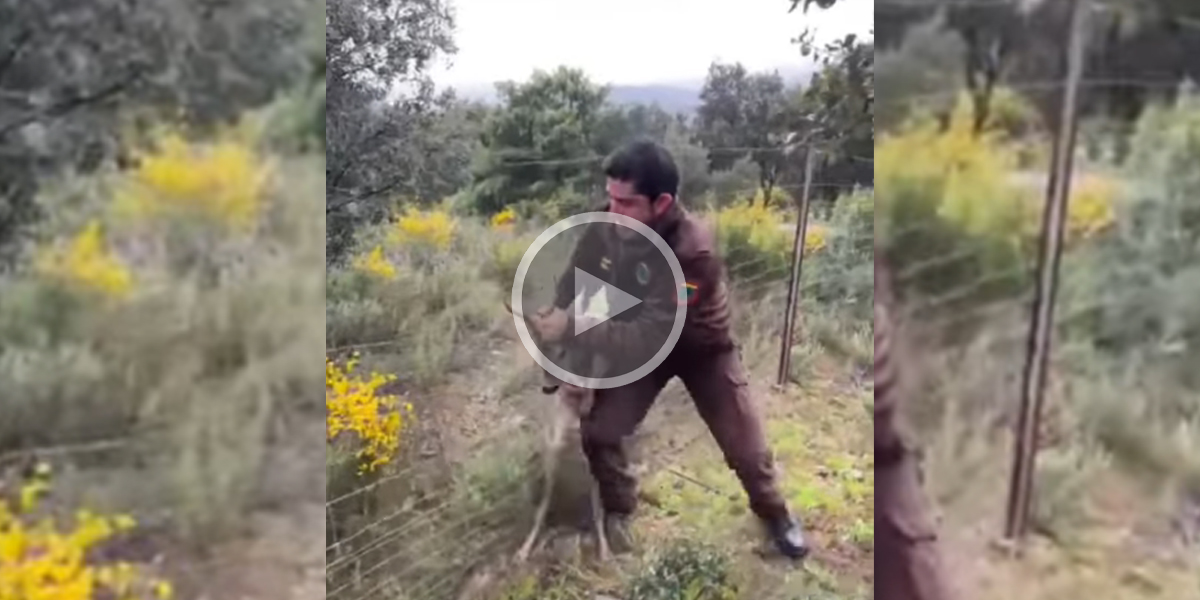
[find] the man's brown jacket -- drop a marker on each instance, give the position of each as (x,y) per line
(636,266)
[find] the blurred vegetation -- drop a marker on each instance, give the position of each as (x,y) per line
(149,296)
(1139,54)
(963,165)
(159,284)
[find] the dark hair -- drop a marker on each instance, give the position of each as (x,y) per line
(647,165)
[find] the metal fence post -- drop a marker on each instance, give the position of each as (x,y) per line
(1050,256)
(789,317)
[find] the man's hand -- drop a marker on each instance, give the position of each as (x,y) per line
(550,324)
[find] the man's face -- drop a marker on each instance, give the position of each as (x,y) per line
(624,199)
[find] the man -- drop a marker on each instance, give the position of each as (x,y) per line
(907,563)
(643,183)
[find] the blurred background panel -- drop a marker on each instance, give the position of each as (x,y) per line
(971,98)
(161,299)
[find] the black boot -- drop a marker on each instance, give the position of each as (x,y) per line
(788,537)
(618,532)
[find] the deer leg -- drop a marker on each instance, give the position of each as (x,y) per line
(598,521)
(538,523)
(553,451)
(539,519)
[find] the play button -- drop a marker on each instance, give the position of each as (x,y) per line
(620,282)
(609,301)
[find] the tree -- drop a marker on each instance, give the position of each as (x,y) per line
(546,137)
(745,115)
(924,73)
(837,109)
(1138,49)
(624,122)
(381,107)
(72,72)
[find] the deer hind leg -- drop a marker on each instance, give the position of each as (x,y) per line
(598,523)
(552,451)
(550,466)
(580,401)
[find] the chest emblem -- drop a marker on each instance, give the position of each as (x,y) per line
(642,273)
(605,263)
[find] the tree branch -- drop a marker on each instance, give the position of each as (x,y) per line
(71,104)
(365,194)
(9,59)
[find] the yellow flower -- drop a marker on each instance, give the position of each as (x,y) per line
(375,264)
(222,181)
(42,559)
(424,228)
(1091,210)
(86,261)
(163,591)
(762,227)
(355,406)
(504,219)
(963,176)
(815,239)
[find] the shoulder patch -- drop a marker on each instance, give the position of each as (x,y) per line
(689,293)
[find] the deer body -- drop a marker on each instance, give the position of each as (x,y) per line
(571,405)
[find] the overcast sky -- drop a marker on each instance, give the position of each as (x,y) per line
(633,41)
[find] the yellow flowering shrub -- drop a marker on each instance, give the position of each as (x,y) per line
(434,228)
(504,220)
(86,261)
(221,181)
(816,238)
(41,559)
(355,406)
(375,264)
(756,240)
(954,202)
(966,177)
(971,180)
(762,227)
(1091,211)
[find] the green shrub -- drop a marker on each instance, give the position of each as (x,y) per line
(685,571)
(844,268)
(1133,286)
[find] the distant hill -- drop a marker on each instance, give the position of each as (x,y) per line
(674,96)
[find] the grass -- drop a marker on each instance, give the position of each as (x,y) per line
(819,434)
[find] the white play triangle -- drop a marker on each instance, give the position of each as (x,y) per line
(608,302)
